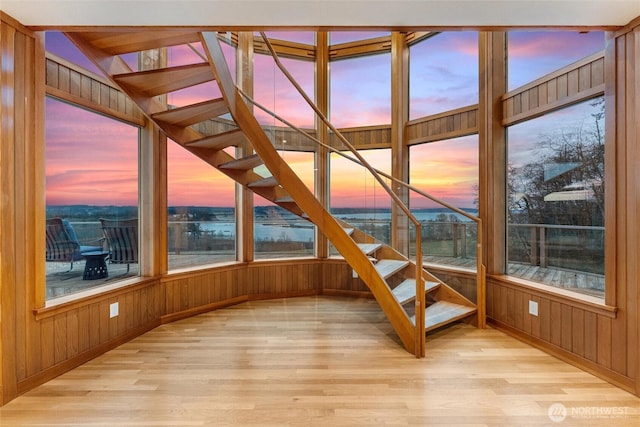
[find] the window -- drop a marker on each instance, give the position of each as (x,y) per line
(358,198)
(202,215)
(443,74)
(279,233)
(274,91)
(448,170)
(91,174)
(360,92)
(556,198)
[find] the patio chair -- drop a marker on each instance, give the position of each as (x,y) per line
(62,243)
(122,238)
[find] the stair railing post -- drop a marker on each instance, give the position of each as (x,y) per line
(481,284)
(420,304)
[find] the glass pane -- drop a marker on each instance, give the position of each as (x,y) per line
(279,233)
(533,54)
(448,170)
(360,92)
(91,174)
(556,198)
(202,220)
(274,91)
(434,84)
(358,198)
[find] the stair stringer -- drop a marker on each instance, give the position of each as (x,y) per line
(304,198)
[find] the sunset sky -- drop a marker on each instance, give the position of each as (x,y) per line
(92,159)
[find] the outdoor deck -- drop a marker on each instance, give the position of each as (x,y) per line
(585,283)
(62,282)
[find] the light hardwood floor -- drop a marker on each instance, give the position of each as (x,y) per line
(319,361)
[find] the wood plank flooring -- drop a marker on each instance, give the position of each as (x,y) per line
(319,361)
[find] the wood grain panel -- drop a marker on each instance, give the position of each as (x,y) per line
(572,84)
(450,124)
(8,269)
(363,138)
(590,336)
(70,83)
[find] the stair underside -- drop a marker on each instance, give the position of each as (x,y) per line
(442,313)
(161,81)
(192,114)
(244,163)
(119,42)
(231,138)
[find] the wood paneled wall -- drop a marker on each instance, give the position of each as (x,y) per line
(22,117)
(578,330)
(190,293)
(602,338)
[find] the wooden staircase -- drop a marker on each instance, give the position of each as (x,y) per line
(390,276)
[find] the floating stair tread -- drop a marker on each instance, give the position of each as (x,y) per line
(284,199)
(270,181)
(349,231)
(156,82)
(388,267)
(244,163)
(192,114)
(369,248)
(406,291)
(230,138)
(444,312)
(120,42)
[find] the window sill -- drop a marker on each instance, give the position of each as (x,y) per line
(586,302)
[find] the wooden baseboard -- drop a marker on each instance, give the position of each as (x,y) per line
(69,364)
(608,375)
(168,318)
(345,293)
(278,295)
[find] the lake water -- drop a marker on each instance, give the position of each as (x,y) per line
(291,228)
